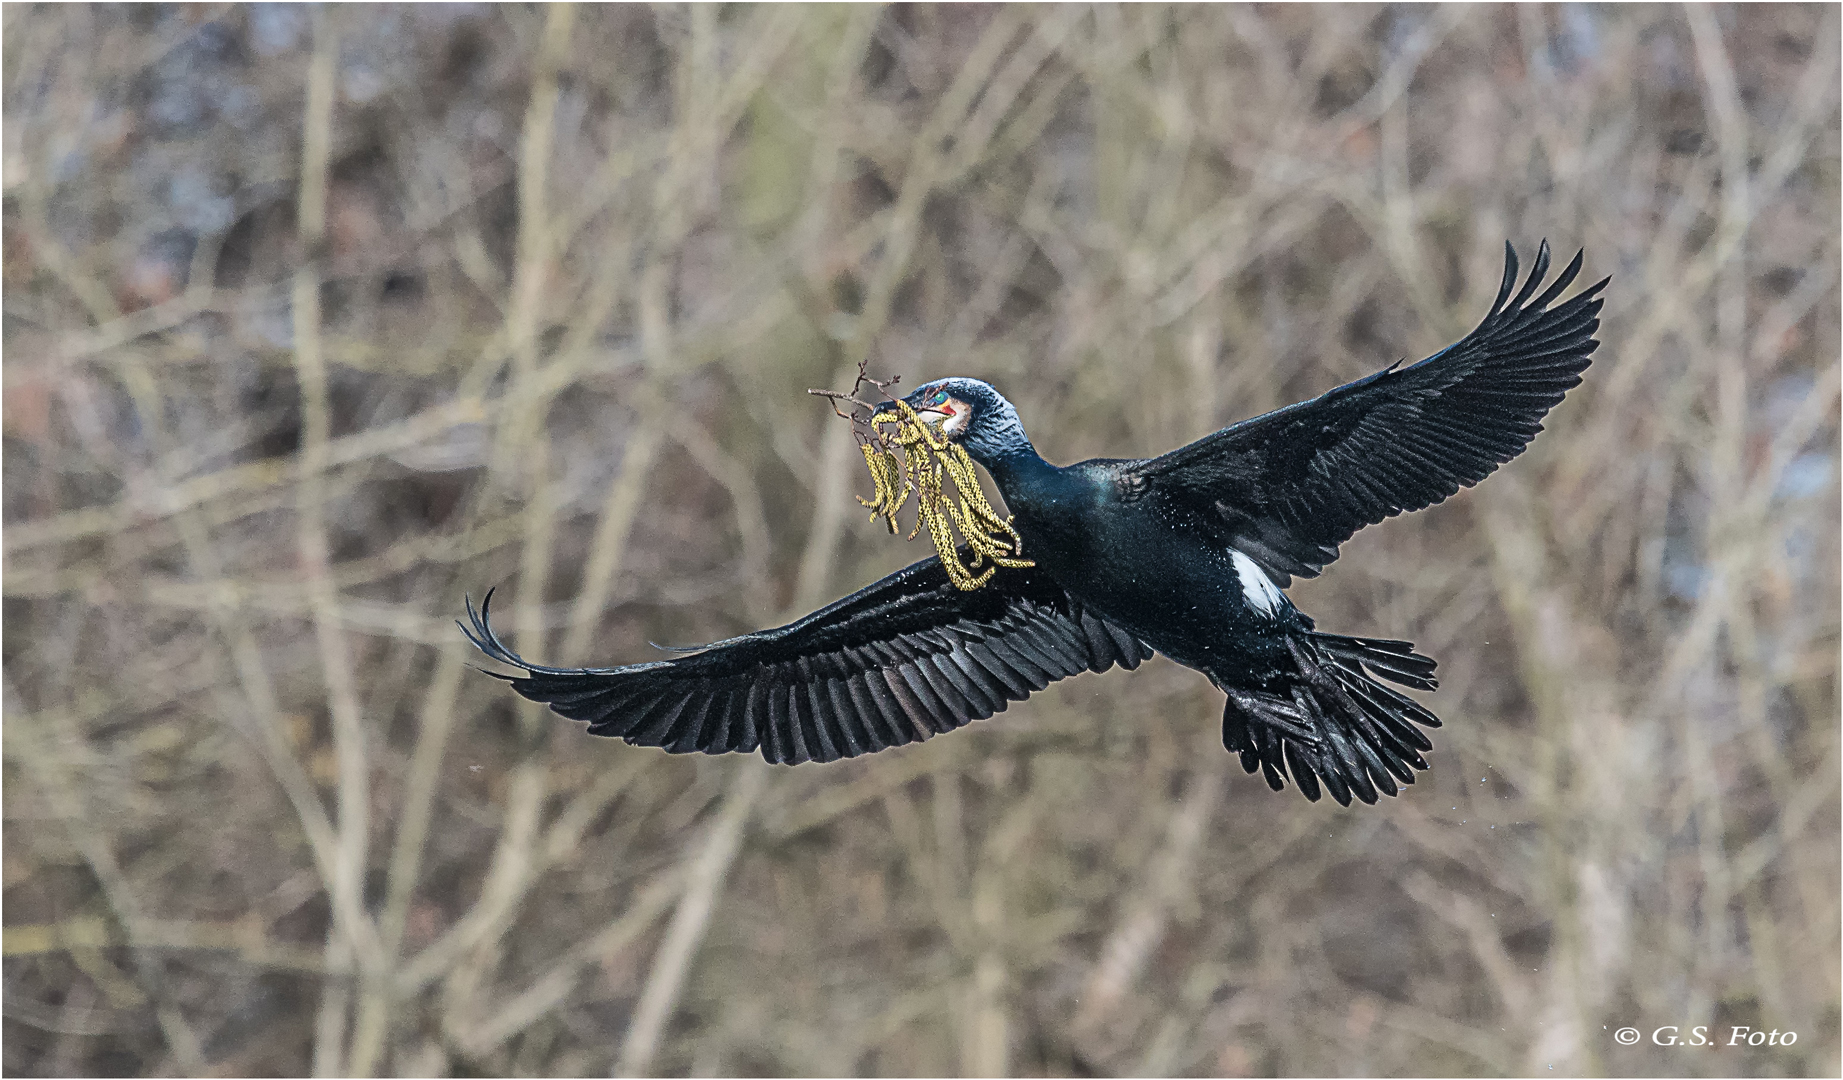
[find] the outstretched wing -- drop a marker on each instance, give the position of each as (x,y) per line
(1290,486)
(897,662)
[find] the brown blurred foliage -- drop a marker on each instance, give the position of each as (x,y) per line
(316,319)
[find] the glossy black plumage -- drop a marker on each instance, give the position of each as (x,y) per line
(1292,485)
(898,662)
(1184,554)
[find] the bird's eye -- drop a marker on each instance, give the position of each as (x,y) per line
(940,397)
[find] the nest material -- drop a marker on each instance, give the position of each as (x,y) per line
(930,460)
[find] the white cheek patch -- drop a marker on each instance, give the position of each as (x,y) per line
(1262,594)
(957,422)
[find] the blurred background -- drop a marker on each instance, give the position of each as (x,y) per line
(317,319)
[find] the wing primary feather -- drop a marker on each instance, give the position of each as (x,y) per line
(1017,688)
(561,692)
(895,722)
(1537,271)
(777,740)
(913,712)
(1029,640)
(486,639)
(589,705)
(1133,652)
(1101,652)
(1013,653)
(821,732)
(935,712)
(842,714)
(800,734)
(1561,283)
(659,719)
(1069,639)
(707,733)
(1503,290)
(996,693)
(847,718)
(970,700)
(1024,641)
(1058,657)
(746,722)
(682,736)
(880,731)
(618,721)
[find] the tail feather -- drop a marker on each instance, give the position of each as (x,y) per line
(1395,661)
(1336,726)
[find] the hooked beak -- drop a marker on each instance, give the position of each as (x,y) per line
(885,411)
(888,409)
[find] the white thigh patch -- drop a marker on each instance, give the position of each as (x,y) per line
(1263,595)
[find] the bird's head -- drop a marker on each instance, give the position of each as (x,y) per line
(968,412)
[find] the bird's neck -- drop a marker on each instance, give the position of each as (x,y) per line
(999,444)
(1015,465)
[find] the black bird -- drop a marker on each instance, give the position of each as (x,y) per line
(1185,554)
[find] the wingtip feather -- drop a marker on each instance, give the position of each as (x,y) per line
(1509,283)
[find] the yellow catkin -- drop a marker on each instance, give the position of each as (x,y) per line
(931,462)
(885,474)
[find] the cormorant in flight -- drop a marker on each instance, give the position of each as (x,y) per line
(1186,554)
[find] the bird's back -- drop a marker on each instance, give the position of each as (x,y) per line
(1149,566)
